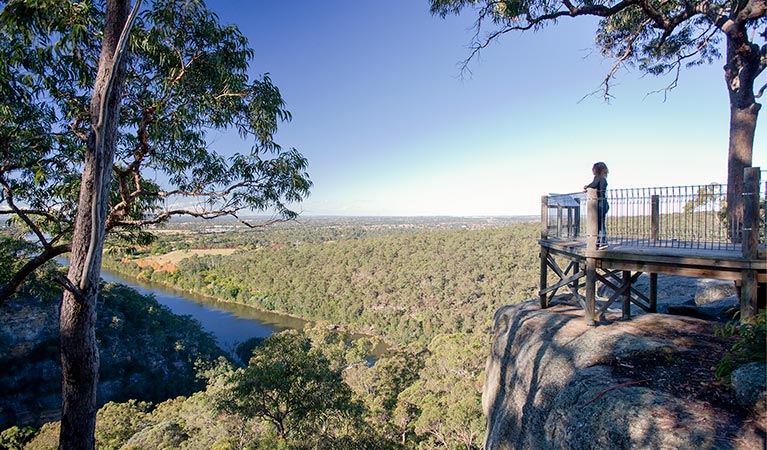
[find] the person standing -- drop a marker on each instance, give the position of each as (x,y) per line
(600,184)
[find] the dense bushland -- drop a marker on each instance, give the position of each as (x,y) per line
(307,390)
(431,289)
(405,287)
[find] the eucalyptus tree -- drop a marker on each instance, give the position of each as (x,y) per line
(658,37)
(92,143)
(293,387)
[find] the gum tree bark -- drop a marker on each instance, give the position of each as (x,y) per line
(79,353)
(740,72)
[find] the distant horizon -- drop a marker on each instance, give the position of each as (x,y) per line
(390,125)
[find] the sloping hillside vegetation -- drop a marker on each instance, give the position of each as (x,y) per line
(405,287)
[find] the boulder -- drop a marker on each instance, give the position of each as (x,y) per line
(553,382)
(749,382)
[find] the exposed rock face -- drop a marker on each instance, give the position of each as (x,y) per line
(145,351)
(552,382)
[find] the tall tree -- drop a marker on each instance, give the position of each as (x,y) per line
(71,121)
(658,37)
(77,316)
(292,387)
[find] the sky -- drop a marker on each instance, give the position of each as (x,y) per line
(391,126)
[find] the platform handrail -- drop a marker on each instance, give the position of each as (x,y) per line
(692,216)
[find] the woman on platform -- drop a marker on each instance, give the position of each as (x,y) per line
(600,184)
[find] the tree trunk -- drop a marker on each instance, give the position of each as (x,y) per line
(77,320)
(739,73)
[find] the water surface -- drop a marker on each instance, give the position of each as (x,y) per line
(229,323)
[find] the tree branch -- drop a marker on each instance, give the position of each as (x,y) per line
(533,21)
(18,278)
(25,218)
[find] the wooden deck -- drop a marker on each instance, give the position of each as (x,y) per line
(619,266)
(702,262)
(571,253)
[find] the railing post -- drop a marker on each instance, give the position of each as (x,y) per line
(544,250)
(654,238)
(577,217)
(544,216)
(591,247)
(750,242)
(655,218)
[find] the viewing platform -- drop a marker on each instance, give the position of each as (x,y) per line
(680,230)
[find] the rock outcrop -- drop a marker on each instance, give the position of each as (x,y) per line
(552,382)
(146,353)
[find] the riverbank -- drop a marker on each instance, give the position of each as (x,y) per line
(230,322)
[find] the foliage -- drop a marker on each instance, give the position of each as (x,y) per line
(447,395)
(188,75)
(15,437)
(47,438)
(750,343)
(293,388)
(131,324)
(146,352)
(117,422)
(657,38)
(404,287)
(409,399)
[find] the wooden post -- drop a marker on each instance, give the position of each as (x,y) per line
(559,221)
(626,305)
(577,214)
(544,216)
(654,217)
(591,247)
(750,242)
(544,250)
(544,276)
(576,269)
(654,237)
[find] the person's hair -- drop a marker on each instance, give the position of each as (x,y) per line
(600,168)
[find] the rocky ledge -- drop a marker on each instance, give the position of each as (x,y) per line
(552,382)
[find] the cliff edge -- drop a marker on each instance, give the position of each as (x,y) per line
(552,382)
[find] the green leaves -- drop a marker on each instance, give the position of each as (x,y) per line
(293,388)
(188,76)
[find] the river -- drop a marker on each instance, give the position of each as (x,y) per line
(229,323)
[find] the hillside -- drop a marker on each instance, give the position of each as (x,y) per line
(404,284)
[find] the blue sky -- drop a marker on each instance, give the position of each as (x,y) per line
(390,127)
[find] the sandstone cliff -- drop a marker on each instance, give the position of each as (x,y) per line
(554,383)
(146,353)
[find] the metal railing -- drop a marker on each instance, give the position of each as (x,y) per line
(691,217)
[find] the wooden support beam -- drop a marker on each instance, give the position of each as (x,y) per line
(543,276)
(653,293)
(591,291)
(626,306)
(634,291)
(564,280)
